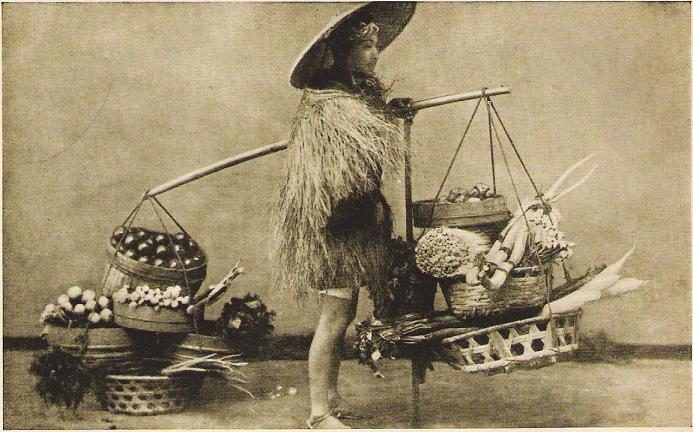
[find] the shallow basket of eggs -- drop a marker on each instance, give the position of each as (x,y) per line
(134,262)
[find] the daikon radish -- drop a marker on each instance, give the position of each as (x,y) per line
(553,190)
(471,276)
(591,291)
(518,248)
(600,282)
(624,286)
(615,268)
(499,276)
(571,302)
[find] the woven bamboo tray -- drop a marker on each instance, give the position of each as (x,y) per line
(104,346)
(528,343)
(147,394)
(523,289)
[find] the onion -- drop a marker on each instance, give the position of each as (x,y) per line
(88,295)
(145,248)
(74,292)
(129,240)
(158,262)
(173,264)
(129,253)
(163,251)
(161,239)
(143,259)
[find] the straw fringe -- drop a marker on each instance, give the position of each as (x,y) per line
(337,148)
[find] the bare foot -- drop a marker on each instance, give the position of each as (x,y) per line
(327,421)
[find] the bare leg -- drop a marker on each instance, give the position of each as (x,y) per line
(333,395)
(323,358)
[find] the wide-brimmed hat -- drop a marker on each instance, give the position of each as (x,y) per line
(390,17)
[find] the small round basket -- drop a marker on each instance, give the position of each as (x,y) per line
(196,345)
(491,211)
(123,270)
(104,346)
(147,395)
(146,318)
(524,288)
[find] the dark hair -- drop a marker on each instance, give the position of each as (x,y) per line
(342,41)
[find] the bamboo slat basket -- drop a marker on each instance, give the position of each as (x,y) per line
(104,346)
(529,343)
(523,289)
(147,394)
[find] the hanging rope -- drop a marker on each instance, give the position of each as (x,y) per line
(490,140)
(454,157)
(524,215)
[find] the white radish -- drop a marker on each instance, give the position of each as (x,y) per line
(615,268)
(600,283)
(471,277)
(624,286)
(518,248)
(553,190)
(571,302)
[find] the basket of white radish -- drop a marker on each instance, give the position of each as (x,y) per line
(81,324)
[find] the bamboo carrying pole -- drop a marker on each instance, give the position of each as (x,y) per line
(281,145)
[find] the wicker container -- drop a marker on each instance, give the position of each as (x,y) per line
(104,346)
(428,213)
(196,345)
(142,317)
(123,270)
(147,394)
(529,343)
(524,288)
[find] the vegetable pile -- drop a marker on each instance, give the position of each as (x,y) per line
(61,379)
(476,193)
(246,323)
(78,308)
(154,297)
(447,252)
(157,248)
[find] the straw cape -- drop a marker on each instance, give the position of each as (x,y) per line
(337,145)
(390,17)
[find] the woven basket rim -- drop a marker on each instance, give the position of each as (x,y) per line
(139,377)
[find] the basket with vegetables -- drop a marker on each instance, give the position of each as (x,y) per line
(153,309)
(244,322)
(477,206)
(81,324)
(160,259)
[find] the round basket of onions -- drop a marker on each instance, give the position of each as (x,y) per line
(477,209)
(81,323)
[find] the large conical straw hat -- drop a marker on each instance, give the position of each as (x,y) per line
(390,17)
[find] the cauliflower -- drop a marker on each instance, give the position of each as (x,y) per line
(447,252)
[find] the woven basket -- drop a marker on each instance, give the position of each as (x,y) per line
(523,289)
(104,346)
(428,213)
(143,317)
(529,343)
(147,395)
(127,271)
(196,345)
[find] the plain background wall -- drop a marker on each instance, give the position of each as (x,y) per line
(103,101)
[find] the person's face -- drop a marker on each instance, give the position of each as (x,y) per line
(364,56)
